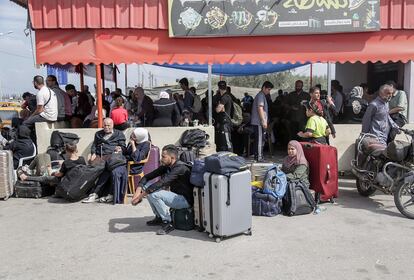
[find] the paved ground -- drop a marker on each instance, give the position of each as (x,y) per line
(358,238)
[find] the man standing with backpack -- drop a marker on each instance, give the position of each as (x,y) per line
(260,120)
(223,119)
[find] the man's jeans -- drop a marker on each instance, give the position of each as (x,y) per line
(161,201)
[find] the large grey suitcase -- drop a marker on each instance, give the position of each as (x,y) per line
(6,174)
(198,207)
(227,204)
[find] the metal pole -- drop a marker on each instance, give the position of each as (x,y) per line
(310,75)
(329,79)
(115,76)
(103,77)
(139,76)
(99,94)
(210,97)
(82,81)
(126,78)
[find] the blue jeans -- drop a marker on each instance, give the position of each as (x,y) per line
(161,201)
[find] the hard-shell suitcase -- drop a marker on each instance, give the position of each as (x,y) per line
(227,204)
(152,163)
(198,206)
(323,169)
(30,189)
(7,178)
(258,170)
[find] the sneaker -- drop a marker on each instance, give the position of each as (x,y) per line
(107,199)
(155,222)
(167,227)
(93,197)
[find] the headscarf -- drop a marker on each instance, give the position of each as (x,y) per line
(164,94)
(299,159)
(141,135)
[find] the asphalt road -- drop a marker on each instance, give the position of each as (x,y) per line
(356,238)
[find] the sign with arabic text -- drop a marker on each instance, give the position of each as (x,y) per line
(199,18)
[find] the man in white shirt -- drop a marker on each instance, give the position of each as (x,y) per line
(47,108)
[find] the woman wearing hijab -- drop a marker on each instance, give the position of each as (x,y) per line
(166,111)
(22,146)
(138,148)
(295,165)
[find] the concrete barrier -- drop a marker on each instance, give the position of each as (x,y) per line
(160,136)
(346,134)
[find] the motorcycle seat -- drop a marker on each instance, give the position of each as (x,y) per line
(378,152)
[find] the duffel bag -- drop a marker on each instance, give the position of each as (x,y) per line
(197,173)
(298,200)
(77,183)
(225,163)
(194,138)
(265,204)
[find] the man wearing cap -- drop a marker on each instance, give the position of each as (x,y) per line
(166,112)
(224,105)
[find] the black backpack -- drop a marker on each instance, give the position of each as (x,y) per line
(196,138)
(187,155)
(59,139)
(298,200)
(77,183)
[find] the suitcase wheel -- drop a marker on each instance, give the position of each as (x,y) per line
(210,235)
(249,232)
(37,196)
(218,239)
(332,200)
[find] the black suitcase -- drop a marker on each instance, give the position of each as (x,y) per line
(30,189)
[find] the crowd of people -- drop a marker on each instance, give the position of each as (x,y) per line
(298,115)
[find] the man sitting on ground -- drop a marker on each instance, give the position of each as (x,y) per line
(175,175)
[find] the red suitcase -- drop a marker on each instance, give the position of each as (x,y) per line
(323,169)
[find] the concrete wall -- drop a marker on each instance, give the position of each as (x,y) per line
(160,136)
(351,74)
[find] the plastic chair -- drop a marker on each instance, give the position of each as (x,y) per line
(131,177)
(23,159)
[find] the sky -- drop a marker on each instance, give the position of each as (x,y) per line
(17,64)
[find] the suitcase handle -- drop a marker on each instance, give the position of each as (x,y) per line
(228,191)
(328,174)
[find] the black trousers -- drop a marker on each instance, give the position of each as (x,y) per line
(259,136)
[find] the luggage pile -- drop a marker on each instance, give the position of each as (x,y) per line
(222,198)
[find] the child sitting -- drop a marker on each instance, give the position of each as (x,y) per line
(317,129)
(72,160)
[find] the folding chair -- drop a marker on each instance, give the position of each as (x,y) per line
(131,177)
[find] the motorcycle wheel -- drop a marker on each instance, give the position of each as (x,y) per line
(404,199)
(364,189)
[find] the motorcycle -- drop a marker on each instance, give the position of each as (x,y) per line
(389,169)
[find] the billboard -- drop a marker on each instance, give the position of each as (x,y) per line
(220,18)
